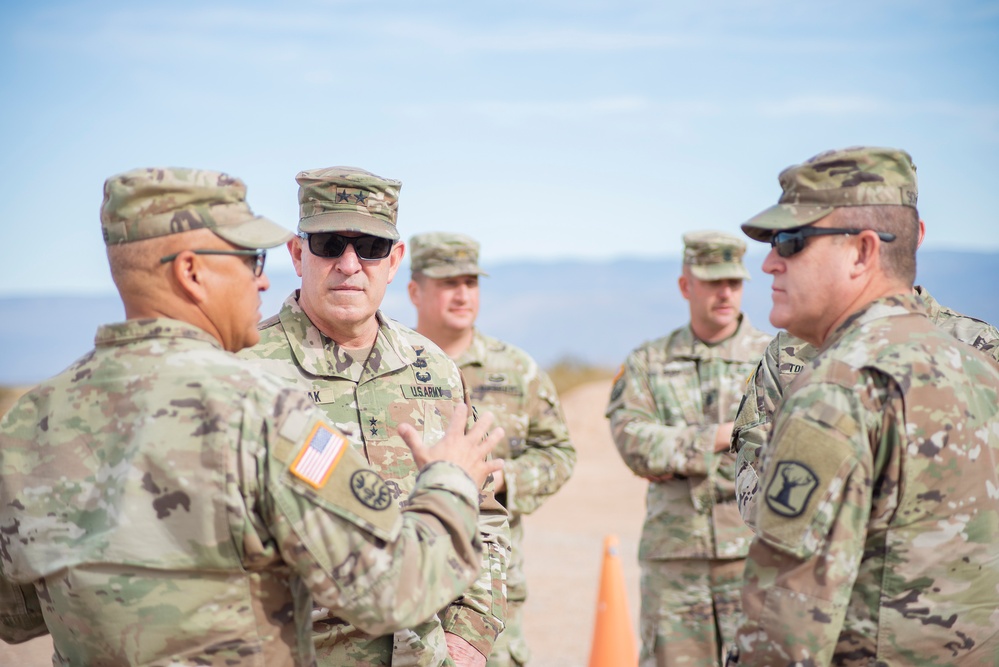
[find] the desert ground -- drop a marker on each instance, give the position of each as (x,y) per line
(564,544)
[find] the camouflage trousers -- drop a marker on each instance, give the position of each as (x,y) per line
(510,649)
(690,611)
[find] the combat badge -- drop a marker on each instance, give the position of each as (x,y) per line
(371,490)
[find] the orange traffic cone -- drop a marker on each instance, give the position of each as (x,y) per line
(613,637)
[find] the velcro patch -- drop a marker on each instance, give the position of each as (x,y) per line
(804,485)
(322,451)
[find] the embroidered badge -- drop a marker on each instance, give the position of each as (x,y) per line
(371,490)
(319,457)
(791,488)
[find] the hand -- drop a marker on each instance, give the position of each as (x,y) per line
(466,450)
(723,437)
(463,653)
(499,481)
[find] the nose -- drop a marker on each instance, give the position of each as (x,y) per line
(773,263)
(348,263)
(263,283)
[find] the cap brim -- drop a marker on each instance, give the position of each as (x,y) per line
(452,271)
(783,216)
(725,271)
(347,221)
(258,232)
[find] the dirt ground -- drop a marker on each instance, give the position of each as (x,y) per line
(564,542)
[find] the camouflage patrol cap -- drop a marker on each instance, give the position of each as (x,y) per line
(714,255)
(444,255)
(858,176)
(158,201)
(347,199)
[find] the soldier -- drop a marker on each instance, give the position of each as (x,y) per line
(371,376)
(671,412)
(505,380)
(163,502)
(785,357)
(875,529)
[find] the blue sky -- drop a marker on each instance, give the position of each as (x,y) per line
(547,129)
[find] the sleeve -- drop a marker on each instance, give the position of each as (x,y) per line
(337,526)
(549,457)
(20,612)
(813,513)
(751,431)
(650,428)
(479,615)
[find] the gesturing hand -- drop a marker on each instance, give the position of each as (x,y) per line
(467,450)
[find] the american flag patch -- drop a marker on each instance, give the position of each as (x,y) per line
(319,457)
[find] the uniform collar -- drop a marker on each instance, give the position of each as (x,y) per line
(120,333)
(687,345)
(318,355)
(895,305)
(476,353)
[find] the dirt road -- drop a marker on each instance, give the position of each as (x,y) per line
(563,548)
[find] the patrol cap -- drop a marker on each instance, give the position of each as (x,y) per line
(347,199)
(444,255)
(158,201)
(714,255)
(857,176)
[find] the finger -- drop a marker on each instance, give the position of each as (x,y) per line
(413,440)
(481,427)
(490,441)
(493,465)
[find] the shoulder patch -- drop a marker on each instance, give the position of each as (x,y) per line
(317,459)
(804,485)
(790,488)
(370,490)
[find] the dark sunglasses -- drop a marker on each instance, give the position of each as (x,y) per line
(259,257)
(791,242)
(331,245)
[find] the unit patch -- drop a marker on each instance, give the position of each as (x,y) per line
(371,490)
(319,457)
(791,488)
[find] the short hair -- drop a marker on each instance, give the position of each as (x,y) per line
(898,257)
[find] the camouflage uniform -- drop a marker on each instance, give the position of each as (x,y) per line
(876,521)
(785,357)
(154,508)
(505,380)
(404,379)
(665,409)
(878,517)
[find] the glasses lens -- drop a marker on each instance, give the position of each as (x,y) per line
(258,269)
(788,244)
(331,245)
(327,244)
(372,247)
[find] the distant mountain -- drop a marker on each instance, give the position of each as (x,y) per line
(593,312)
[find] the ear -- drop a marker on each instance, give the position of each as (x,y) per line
(191,276)
(684,287)
(867,258)
(414,292)
(395,258)
(922,232)
(295,250)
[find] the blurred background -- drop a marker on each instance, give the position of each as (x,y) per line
(577,140)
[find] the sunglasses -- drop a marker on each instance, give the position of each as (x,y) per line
(792,241)
(331,245)
(259,257)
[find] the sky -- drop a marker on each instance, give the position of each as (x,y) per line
(547,129)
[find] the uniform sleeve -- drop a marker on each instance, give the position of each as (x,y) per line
(337,526)
(548,458)
(650,431)
(479,615)
(813,513)
(20,613)
(751,431)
